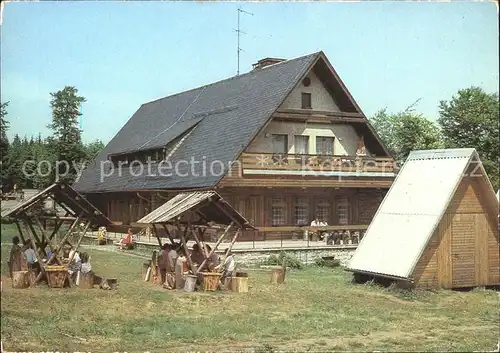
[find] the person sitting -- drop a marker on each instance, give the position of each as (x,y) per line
(323,235)
(163,262)
(75,264)
(214,259)
(228,266)
(315,223)
(196,255)
(127,241)
(167,261)
(16,256)
(31,257)
(86,269)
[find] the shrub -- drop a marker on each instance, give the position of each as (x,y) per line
(290,260)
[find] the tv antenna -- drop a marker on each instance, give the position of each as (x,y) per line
(239,31)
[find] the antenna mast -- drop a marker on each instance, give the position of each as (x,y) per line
(238,31)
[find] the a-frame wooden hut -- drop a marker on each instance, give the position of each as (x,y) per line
(437,226)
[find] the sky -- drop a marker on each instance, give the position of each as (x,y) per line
(120,55)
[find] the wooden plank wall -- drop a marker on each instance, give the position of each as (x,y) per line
(464,251)
(255,204)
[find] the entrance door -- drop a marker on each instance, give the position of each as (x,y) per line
(463,250)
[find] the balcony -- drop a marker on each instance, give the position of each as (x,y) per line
(319,165)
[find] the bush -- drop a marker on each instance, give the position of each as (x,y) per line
(290,260)
(319,262)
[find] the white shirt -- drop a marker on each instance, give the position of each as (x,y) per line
(172,254)
(315,224)
(86,268)
(30,255)
(229,264)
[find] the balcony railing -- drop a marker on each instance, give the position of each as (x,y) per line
(322,163)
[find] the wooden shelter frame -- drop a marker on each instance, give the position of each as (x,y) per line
(31,225)
(233,224)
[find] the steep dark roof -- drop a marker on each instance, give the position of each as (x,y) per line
(224,118)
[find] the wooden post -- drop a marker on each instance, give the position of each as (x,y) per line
(79,241)
(168,233)
(156,235)
(34,238)
(46,240)
(202,246)
(231,245)
(58,247)
(184,243)
(215,247)
(23,239)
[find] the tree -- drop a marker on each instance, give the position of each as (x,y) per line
(4,142)
(471,119)
(93,149)
(406,131)
(15,162)
(66,139)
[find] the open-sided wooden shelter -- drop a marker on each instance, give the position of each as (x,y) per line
(191,214)
(437,227)
(30,220)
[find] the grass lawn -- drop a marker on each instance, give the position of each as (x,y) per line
(318,309)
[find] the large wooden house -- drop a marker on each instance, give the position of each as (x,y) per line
(282,143)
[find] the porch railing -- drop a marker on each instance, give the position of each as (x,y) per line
(285,237)
(276,161)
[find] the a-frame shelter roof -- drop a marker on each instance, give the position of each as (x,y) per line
(207,205)
(412,209)
(66,197)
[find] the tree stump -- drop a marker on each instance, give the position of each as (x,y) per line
(277,276)
(32,275)
(239,284)
(86,280)
(20,279)
(227,283)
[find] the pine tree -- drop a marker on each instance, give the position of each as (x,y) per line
(66,139)
(4,144)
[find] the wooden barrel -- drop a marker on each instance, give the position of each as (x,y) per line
(239,284)
(20,279)
(190,284)
(277,276)
(211,281)
(56,276)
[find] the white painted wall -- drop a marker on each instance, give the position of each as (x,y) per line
(320,98)
(346,138)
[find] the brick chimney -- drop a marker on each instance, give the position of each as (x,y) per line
(266,62)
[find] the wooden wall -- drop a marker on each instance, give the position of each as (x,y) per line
(464,250)
(254,203)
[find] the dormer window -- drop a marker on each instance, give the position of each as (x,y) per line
(306,100)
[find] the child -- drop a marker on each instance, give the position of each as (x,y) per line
(127,240)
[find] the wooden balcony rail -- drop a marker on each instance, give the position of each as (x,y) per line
(270,161)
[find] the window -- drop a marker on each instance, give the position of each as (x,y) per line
(323,210)
(342,210)
(301,211)
(301,144)
(306,101)
(279,143)
(324,145)
(278,209)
